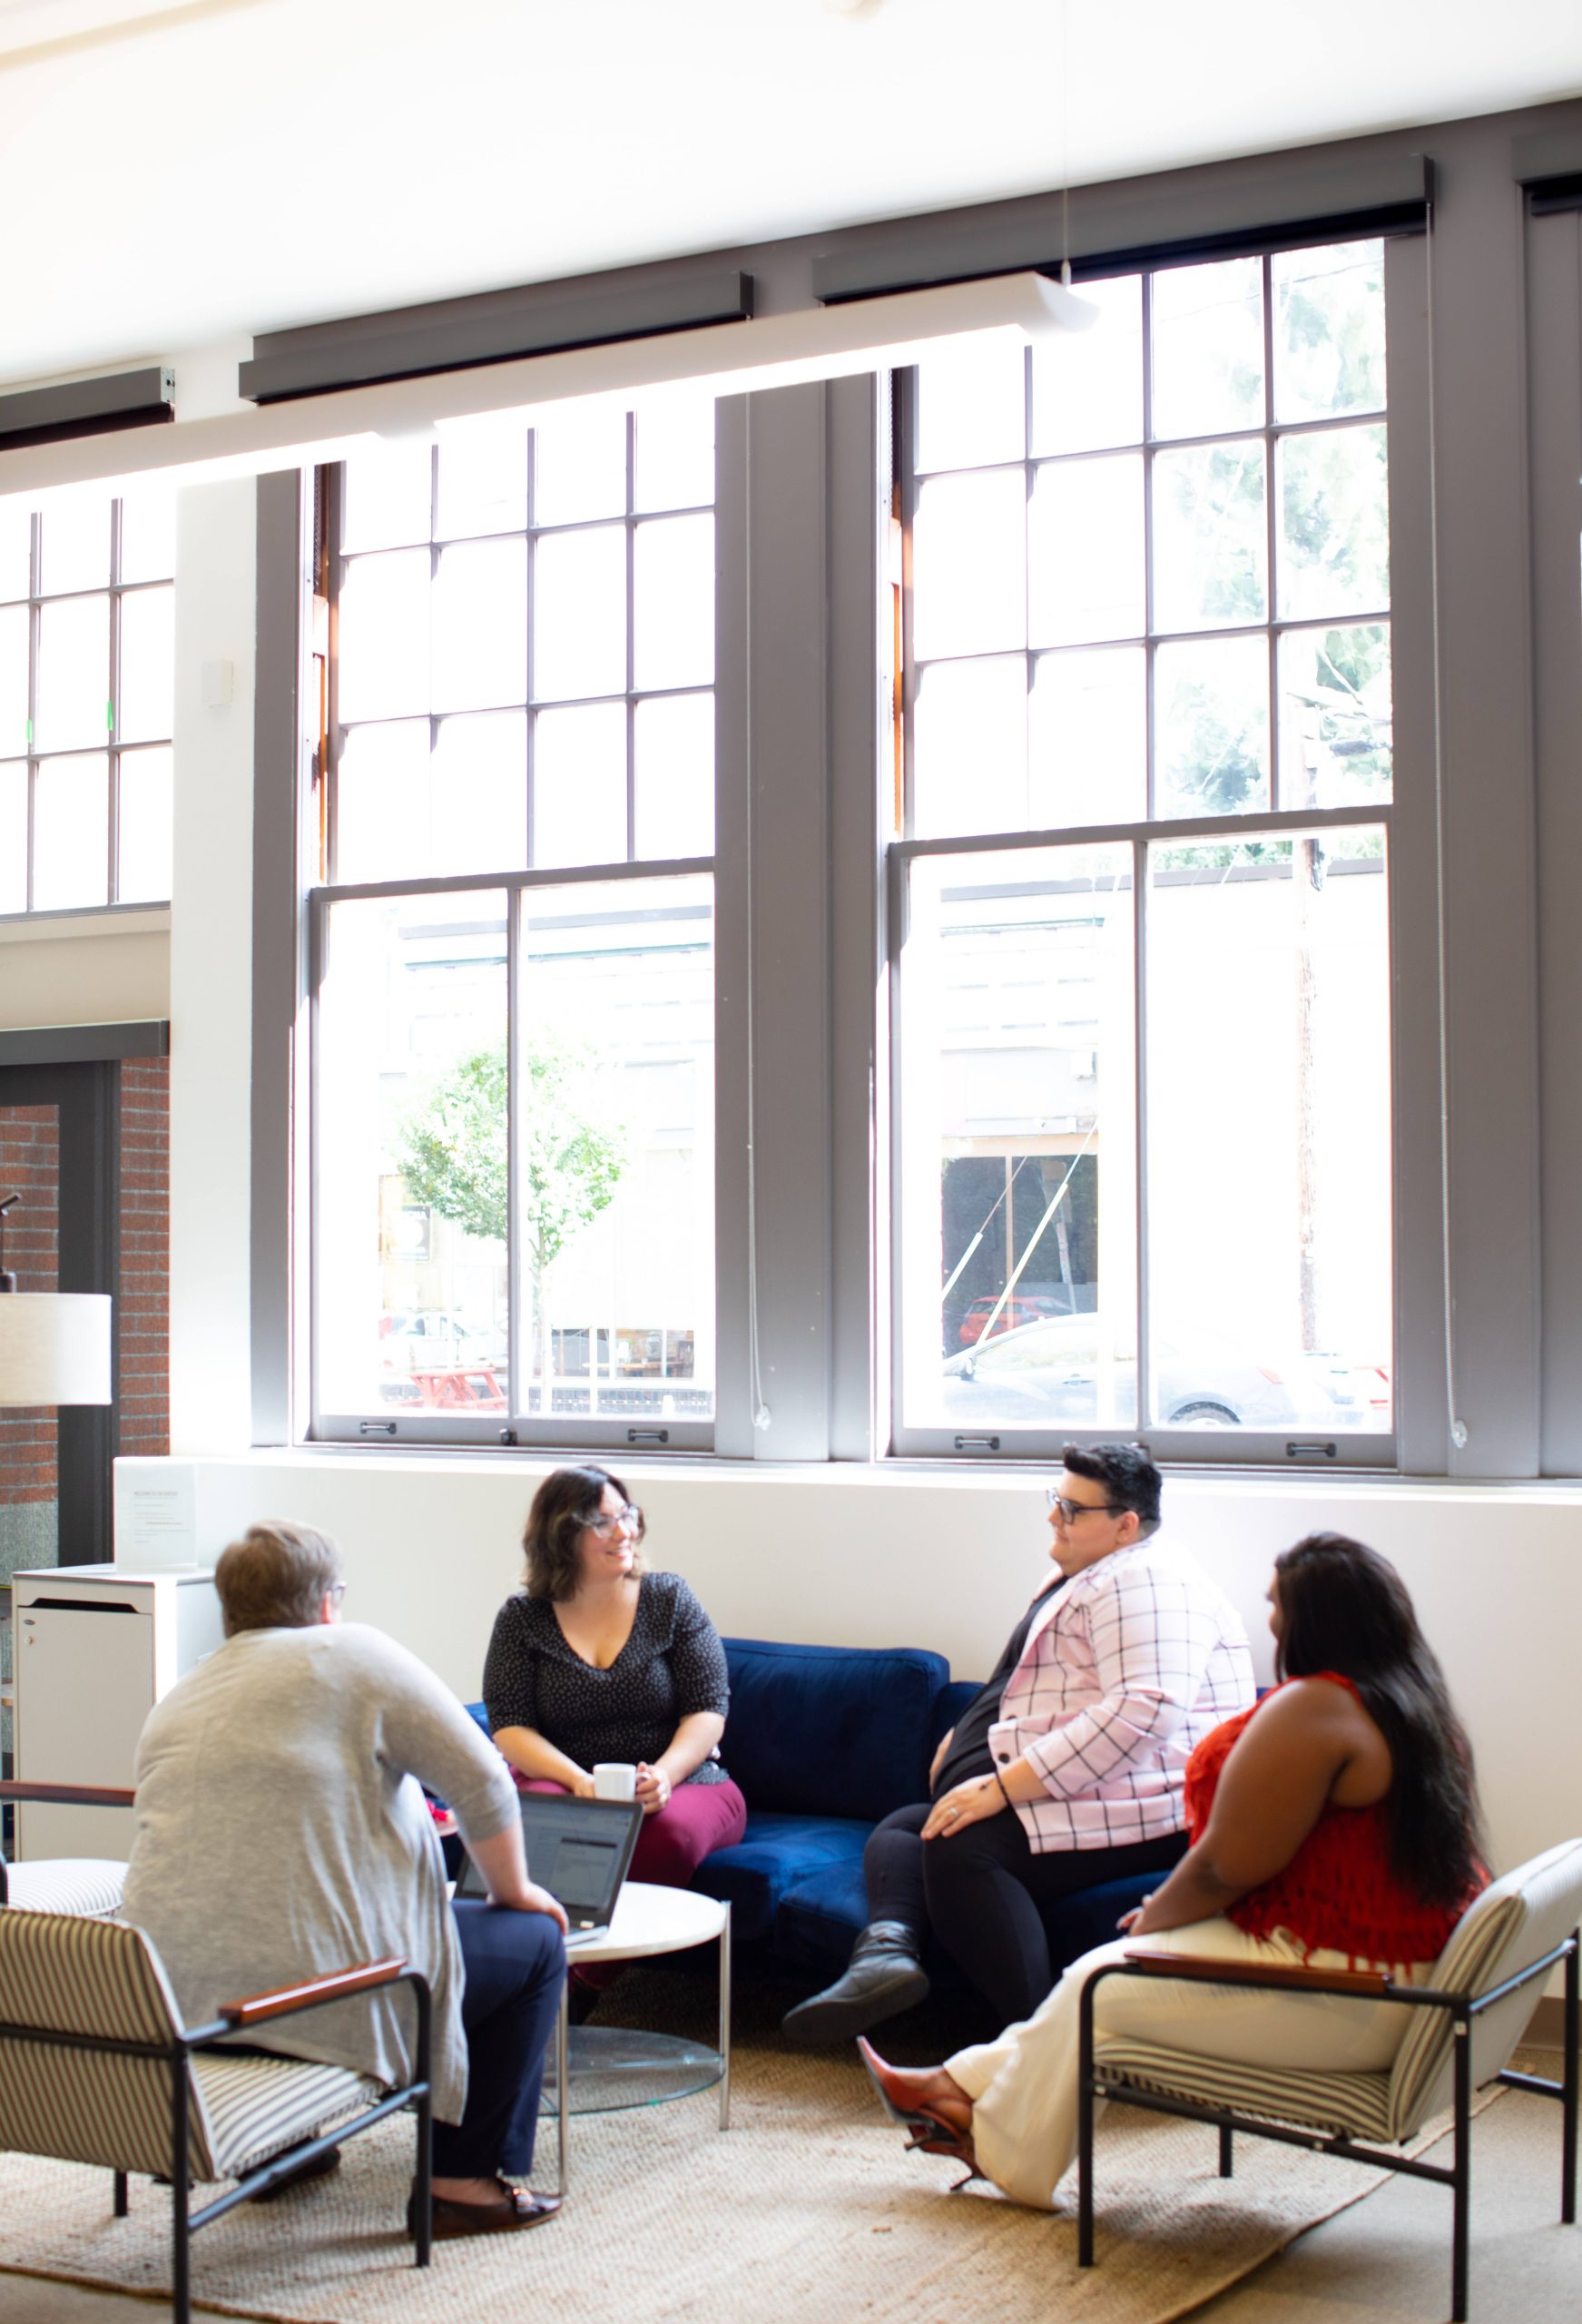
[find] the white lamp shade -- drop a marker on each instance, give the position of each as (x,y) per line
(55,1348)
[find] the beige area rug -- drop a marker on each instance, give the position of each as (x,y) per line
(807,2212)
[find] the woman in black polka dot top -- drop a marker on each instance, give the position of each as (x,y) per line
(595,1660)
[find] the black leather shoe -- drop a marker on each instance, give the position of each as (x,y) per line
(883,1977)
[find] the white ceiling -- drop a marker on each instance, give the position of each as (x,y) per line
(177,178)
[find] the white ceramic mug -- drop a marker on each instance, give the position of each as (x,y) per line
(615,1779)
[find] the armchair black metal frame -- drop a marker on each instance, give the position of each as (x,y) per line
(1096,2082)
(238,2017)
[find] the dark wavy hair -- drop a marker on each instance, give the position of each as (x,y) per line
(562,1507)
(1343,1607)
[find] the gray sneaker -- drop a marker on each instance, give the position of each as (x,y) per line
(883,1977)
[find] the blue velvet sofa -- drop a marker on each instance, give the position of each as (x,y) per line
(824,1740)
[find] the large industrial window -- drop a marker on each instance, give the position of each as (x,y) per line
(86,663)
(1143,965)
(513,1229)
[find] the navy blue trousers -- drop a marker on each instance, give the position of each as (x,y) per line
(516,1967)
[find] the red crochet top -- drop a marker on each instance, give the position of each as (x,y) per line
(1338,1892)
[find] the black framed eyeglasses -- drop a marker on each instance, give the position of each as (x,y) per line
(1070,1511)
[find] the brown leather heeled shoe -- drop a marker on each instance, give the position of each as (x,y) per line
(932,2130)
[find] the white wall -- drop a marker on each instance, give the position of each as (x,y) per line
(943,1558)
(85,968)
(211,970)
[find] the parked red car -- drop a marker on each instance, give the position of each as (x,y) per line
(1016,1309)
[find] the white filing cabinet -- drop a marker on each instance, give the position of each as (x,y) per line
(94,1646)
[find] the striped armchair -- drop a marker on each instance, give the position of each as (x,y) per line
(73,1884)
(1469,2018)
(96,2067)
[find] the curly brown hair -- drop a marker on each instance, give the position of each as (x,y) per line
(563,1506)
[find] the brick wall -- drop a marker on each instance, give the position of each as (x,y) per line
(144,1308)
(30,1167)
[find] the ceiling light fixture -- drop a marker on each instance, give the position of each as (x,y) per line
(770,351)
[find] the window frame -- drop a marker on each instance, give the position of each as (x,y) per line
(115,590)
(1294,1448)
(630,1436)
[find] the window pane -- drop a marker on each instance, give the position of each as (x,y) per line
(1211,550)
(74,674)
(971,408)
(77,544)
(384,635)
(674,601)
(1088,386)
(480,794)
(970,591)
(480,625)
(1211,711)
(1334,512)
(969,748)
(1336,729)
(13,622)
(410,1256)
(148,652)
(1268,1253)
(1084,552)
(483,480)
(615,1202)
(71,832)
(1208,348)
(675,452)
(15,549)
(579,785)
(1329,330)
(1017,1159)
(14,836)
(388,497)
(579,614)
(148,533)
(143,873)
(579,465)
(384,801)
(674,776)
(1087,742)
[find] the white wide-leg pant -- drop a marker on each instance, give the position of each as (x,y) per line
(1023,2086)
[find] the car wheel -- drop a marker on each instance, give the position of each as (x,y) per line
(1203,1416)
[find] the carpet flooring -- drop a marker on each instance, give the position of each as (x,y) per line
(806,2211)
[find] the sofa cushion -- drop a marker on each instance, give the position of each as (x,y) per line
(954,1699)
(778,1853)
(830,1731)
(819,1917)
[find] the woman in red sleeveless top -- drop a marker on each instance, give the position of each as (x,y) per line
(1335,1823)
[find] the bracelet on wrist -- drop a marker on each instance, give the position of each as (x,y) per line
(1004,1793)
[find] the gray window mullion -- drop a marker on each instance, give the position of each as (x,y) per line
(112,754)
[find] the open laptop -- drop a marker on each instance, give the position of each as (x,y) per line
(580,1850)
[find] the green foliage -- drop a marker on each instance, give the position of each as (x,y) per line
(453,1148)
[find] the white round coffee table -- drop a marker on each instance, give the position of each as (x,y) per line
(617,2068)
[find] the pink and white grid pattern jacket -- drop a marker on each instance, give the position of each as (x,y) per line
(1122,1675)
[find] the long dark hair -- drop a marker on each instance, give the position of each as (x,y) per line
(563,1505)
(1345,1609)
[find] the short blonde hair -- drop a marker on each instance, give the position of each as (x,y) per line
(275,1577)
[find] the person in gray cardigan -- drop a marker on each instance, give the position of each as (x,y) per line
(281,1831)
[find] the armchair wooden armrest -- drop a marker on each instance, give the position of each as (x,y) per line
(69,1794)
(1370,1983)
(310,1991)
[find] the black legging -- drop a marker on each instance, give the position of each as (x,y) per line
(984,1894)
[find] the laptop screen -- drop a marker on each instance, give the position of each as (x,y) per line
(579,1849)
